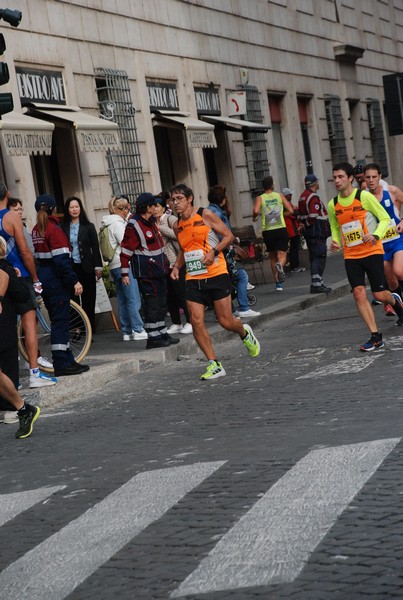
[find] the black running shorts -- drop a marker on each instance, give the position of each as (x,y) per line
(206,291)
(372,266)
(276,239)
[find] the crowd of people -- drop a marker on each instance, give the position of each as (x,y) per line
(170,257)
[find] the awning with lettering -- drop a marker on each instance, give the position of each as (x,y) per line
(22,135)
(93,134)
(198,133)
(231,124)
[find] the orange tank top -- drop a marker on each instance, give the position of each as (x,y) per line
(353,225)
(196,239)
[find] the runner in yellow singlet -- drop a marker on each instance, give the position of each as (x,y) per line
(207,279)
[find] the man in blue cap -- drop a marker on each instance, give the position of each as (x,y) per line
(312,215)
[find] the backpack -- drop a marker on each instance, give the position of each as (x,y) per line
(105,246)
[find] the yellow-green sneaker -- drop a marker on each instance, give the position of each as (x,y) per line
(214,370)
(251,342)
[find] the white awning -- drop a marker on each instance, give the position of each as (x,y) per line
(198,133)
(93,134)
(231,124)
(22,135)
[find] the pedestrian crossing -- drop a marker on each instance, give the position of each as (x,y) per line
(269,544)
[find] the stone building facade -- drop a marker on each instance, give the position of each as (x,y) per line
(123,96)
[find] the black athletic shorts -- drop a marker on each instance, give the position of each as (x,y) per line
(276,239)
(206,291)
(372,266)
(30,303)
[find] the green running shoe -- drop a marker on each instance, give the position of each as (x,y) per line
(214,370)
(27,419)
(251,342)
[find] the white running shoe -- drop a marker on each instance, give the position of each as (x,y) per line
(250,286)
(139,335)
(41,380)
(8,417)
(244,314)
(174,329)
(127,337)
(44,362)
(187,328)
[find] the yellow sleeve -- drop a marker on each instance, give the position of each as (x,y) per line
(334,224)
(371,204)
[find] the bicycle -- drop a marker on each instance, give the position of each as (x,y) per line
(80,333)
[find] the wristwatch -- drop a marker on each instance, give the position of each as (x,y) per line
(376,236)
(216,252)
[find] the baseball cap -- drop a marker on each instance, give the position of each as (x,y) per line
(147,199)
(286,191)
(45,200)
(311,179)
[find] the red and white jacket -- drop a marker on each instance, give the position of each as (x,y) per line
(143,245)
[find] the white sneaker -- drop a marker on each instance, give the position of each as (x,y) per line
(139,335)
(187,328)
(174,329)
(41,380)
(45,362)
(8,417)
(127,337)
(248,313)
(250,286)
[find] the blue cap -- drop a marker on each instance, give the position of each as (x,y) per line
(310,180)
(147,199)
(45,200)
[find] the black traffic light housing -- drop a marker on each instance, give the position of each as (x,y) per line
(6,99)
(13,17)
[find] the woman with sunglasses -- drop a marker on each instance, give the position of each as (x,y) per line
(129,300)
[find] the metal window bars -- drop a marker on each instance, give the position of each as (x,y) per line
(115,104)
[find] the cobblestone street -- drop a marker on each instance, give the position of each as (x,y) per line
(280,480)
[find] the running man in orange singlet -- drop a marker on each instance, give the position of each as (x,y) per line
(350,213)
(207,279)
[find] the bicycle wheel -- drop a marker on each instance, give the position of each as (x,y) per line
(252,299)
(80,334)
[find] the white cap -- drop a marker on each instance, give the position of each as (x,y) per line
(286,191)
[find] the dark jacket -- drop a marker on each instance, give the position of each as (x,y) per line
(88,246)
(16,292)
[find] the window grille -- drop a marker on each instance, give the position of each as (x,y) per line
(115,104)
(376,135)
(255,142)
(335,129)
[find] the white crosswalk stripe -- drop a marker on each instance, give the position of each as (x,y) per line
(11,505)
(272,542)
(54,568)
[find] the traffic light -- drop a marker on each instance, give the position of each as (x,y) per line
(13,17)
(6,100)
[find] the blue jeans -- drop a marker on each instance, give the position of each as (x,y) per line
(242,289)
(129,302)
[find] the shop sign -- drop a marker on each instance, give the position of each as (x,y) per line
(41,87)
(207,101)
(97,140)
(201,138)
(162,96)
(22,142)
